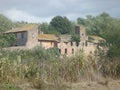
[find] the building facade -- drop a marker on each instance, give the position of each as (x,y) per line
(27,37)
(67,47)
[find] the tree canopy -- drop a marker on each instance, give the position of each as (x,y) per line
(61,25)
(43,27)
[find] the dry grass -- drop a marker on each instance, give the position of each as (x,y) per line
(50,74)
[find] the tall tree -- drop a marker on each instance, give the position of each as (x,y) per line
(112,37)
(81,21)
(61,25)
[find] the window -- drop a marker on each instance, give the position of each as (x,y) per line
(72,51)
(66,43)
(66,51)
(82,34)
(86,44)
(71,43)
(60,51)
(77,44)
(90,52)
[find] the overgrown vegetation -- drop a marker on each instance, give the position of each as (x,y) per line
(43,69)
(107,27)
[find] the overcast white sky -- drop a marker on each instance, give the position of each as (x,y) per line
(45,10)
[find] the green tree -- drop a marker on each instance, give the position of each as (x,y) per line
(61,25)
(75,38)
(5,24)
(81,21)
(112,37)
(96,25)
(43,27)
(107,27)
(6,40)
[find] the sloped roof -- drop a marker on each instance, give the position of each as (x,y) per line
(23,28)
(50,37)
(65,38)
(96,39)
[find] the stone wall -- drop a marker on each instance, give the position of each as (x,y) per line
(48,44)
(32,38)
(72,48)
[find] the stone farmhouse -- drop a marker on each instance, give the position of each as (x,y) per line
(27,37)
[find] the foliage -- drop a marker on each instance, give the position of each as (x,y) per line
(19,24)
(43,27)
(61,25)
(42,53)
(58,25)
(31,67)
(53,52)
(6,40)
(96,25)
(9,86)
(75,38)
(107,27)
(5,24)
(42,67)
(37,53)
(81,21)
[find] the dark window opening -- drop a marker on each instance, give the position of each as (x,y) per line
(86,44)
(55,44)
(90,52)
(77,44)
(72,51)
(66,43)
(65,51)
(82,34)
(60,51)
(71,43)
